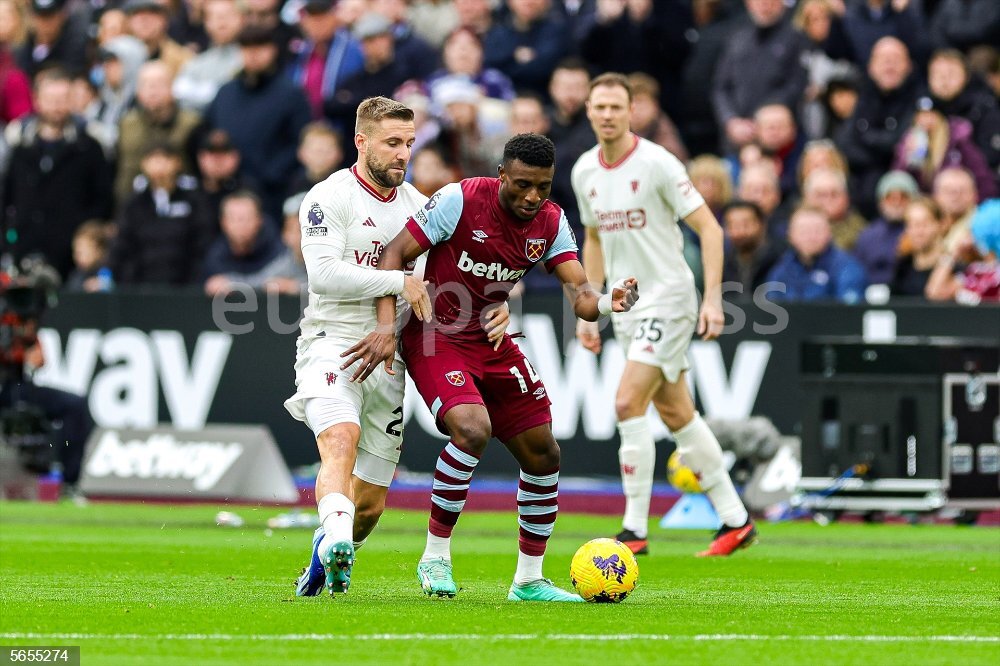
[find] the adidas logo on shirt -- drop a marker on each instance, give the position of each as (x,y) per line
(368,223)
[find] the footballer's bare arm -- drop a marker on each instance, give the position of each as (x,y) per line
(711,319)
(588,302)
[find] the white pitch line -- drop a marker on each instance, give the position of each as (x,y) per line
(498,638)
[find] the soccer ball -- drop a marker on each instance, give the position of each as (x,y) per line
(681,476)
(604,571)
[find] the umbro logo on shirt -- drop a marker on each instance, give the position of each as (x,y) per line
(479,236)
(368,223)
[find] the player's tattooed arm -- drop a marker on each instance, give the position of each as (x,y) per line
(589,303)
(379,346)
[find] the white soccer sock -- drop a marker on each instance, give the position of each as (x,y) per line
(436,547)
(637,455)
(358,544)
(336,514)
(529,568)
(701,452)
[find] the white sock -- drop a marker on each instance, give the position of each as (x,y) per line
(637,456)
(358,544)
(701,451)
(529,568)
(437,547)
(336,514)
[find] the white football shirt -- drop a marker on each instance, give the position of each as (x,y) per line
(356,222)
(636,204)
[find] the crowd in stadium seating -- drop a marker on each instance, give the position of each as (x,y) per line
(841,143)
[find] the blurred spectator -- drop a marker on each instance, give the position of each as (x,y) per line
(112,23)
(527,115)
(473,130)
(750,253)
(54,39)
(711,177)
(759,184)
(475,14)
(868,21)
(265,14)
(838,102)
(878,244)
(186,24)
(430,171)
(320,153)
(713,25)
(201,77)
(463,55)
(955,193)
(934,142)
(826,56)
(164,228)
(85,104)
(57,176)
(963,24)
(979,280)
(781,142)
(155,118)
(245,248)
(569,128)
(985,61)
(526,46)
(148,20)
(813,268)
(434,20)
(219,171)
(761,64)
(13,23)
(641,36)
(882,114)
(90,255)
(349,11)
(382,72)
(263,113)
(15,89)
(957,93)
(820,154)
(286,274)
(327,57)
(826,190)
(426,125)
(925,248)
(120,59)
(412,50)
(650,121)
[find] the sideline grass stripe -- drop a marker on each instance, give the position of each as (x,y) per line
(833,638)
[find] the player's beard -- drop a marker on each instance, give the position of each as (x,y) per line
(380,172)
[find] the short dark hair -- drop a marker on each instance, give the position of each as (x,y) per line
(531,149)
(740,204)
(375,109)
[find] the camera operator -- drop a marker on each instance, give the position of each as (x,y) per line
(60,417)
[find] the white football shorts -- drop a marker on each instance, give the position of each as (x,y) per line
(661,343)
(326,396)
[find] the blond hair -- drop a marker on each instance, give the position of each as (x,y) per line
(713,168)
(376,109)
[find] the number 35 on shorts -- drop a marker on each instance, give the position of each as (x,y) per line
(649,330)
(532,377)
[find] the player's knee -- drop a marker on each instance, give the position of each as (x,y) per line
(675,416)
(336,442)
(472,435)
(627,408)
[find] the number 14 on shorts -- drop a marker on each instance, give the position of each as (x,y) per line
(532,375)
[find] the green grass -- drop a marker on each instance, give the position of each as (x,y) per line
(140,581)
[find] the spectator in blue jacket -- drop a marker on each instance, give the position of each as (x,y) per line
(527,45)
(813,268)
(246,247)
(878,244)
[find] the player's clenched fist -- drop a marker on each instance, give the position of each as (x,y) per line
(624,295)
(415,293)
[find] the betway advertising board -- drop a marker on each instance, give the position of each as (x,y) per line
(216,462)
(149,358)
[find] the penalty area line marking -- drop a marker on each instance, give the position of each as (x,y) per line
(705,638)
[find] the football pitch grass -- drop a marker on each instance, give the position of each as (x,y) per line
(155,584)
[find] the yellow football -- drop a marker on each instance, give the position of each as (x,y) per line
(604,571)
(681,476)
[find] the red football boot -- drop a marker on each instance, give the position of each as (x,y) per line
(635,544)
(730,539)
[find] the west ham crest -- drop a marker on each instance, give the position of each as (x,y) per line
(455,377)
(534,248)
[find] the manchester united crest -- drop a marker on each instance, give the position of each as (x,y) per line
(331,378)
(455,377)
(534,248)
